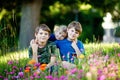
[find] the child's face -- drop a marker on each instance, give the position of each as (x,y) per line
(72,34)
(60,35)
(42,36)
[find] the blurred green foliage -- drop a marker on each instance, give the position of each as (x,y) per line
(117,32)
(9,32)
(61,14)
(57,12)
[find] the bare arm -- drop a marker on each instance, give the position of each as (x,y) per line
(34,46)
(74,45)
(52,61)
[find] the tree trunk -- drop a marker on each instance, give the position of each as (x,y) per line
(29,20)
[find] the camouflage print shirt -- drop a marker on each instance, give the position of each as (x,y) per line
(45,53)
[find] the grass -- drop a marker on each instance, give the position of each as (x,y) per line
(97,51)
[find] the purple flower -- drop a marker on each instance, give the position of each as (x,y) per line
(1,77)
(14,67)
(49,77)
(55,78)
(37,76)
(31,77)
(10,62)
(20,69)
(5,78)
(20,74)
(73,70)
(106,57)
(11,72)
(14,77)
(63,77)
(37,64)
(99,71)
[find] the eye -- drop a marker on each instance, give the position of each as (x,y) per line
(77,32)
(46,33)
(40,33)
(60,33)
(72,30)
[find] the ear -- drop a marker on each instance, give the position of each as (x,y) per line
(49,36)
(67,30)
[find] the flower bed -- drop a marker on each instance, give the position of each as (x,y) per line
(101,62)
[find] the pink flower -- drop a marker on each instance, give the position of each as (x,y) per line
(73,70)
(102,77)
(113,74)
(10,62)
(50,77)
(118,54)
(20,74)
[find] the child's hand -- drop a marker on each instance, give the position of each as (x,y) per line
(34,45)
(74,45)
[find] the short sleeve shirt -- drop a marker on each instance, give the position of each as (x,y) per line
(67,51)
(45,53)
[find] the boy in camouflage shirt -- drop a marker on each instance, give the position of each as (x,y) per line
(41,50)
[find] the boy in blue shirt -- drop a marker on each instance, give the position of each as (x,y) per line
(59,33)
(71,47)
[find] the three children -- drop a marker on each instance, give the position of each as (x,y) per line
(44,51)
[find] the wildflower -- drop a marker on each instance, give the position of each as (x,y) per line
(31,78)
(63,78)
(106,57)
(35,67)
(32,62)
(1,76)
(12,72)
(14,67)
(43,67)
(5,78)
(50,77)
(21,74)
(81,56)
(118,54)
(10,62)
(37,64)
(27,69)
(102,77)
(73,70)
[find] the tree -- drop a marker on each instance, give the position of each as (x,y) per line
(30,13)
(29,20)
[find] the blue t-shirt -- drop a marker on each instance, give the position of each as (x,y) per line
(52,37)
(67,51)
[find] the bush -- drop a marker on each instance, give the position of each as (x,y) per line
(117,32)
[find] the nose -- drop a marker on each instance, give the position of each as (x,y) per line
(43,35)
(73,33)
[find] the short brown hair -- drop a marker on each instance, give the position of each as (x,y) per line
(76,25)
(43,27)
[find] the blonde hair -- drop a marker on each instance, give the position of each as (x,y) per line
(60,28)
